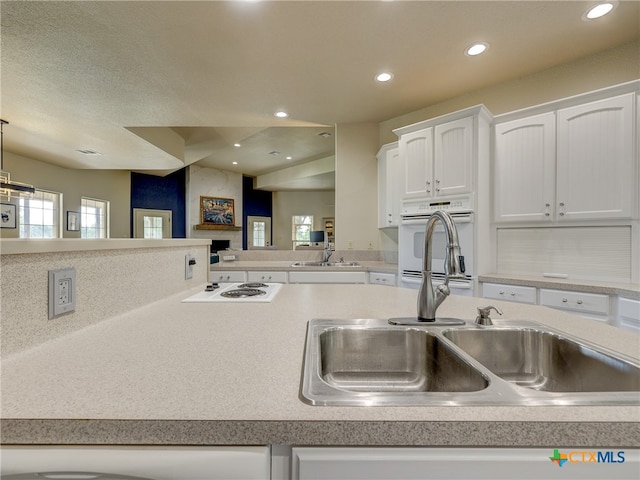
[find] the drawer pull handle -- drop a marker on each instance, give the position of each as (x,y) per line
(513,294)
(501,292)
(579,302)
(564,300)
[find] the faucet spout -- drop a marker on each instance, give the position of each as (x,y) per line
(429,299)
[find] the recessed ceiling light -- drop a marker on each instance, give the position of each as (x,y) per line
(476,49)
(289,158)
(599,10)
(281,114)
(237,145)
(324,134)
(275,153)
(234,163)
(384,77)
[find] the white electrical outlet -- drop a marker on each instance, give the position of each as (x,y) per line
(62,291)
(189,262)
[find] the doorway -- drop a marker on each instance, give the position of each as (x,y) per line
(258,232)
(151,223)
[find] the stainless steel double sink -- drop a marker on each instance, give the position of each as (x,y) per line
(369,362)
(325,264)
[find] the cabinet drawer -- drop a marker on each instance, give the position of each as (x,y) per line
(228,276)
(576,301)
(274,277)
(327,277)
(629,314)
(512,293)
(382,278)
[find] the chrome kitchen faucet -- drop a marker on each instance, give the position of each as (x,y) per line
(429,299)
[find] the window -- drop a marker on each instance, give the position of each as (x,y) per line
(259,230)
(301,228)
(94,222)
(152,227)
(39,216)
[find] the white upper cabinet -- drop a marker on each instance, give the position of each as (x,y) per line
(453,161)
(524,168)
(595,160)
(416,152)
(389,176)
(576,163)
(440,156)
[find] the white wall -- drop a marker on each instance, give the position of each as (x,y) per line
(320,204)
(111,185)
(357,187)
(211,182)
(109,283)
(604,69)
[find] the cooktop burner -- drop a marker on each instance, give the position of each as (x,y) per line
(243,292)
(253,285)
(237,293)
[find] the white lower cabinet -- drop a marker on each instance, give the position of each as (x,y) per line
(158,463)
(628,314)
(273,277)
(230,276)
(383,278)
(590,305)
(327,277)
(512,293)
(385,463)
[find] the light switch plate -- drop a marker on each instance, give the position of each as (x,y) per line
(62,291)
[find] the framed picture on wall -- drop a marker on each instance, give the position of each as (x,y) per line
(8,215)
(73,221)
(216,211)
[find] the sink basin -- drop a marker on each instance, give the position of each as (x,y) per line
(369,362)
(398,360)
(325,264)
(546,361)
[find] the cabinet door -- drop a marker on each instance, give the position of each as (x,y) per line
(590,305)
(327,277)
(382,278)
(265,276)
(416,152)
(629,314)
(228,276)
(335,463)
(595,160)
(389,169)
(453,161)
(524,169)
(511,293)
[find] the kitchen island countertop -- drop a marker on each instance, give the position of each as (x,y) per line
(229,374)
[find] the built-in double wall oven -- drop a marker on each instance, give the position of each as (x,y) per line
(414,218)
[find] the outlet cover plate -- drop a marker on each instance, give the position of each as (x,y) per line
(62,291)
(189,262)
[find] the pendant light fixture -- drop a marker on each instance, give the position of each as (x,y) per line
(8,188)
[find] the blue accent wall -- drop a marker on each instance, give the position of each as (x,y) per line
(254,203)
(161,193)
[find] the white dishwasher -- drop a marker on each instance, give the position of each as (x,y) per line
(134,463)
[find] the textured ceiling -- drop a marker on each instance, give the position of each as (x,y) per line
(156,85)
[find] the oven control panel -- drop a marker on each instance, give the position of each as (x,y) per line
(452,204)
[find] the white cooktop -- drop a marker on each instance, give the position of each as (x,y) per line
(265,292)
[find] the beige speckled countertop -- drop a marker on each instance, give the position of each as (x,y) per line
(631,290)
(286,265)
(229,374)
